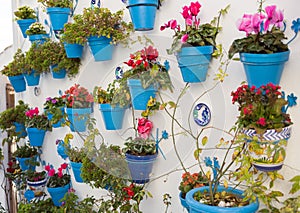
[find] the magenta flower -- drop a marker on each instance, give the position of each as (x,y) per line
(173,24)
(256,21)
(144,127)
(51,172)
(189,22)
(184,38)
(245,24)
(261,121)
(185,12)
(64,165)
(195,8)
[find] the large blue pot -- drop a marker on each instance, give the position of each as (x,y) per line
(24,25)
(73,50)
(32,79)
(76,168)
(36,136)
(197,207)
(112,116)
(139,95)
(142,13)
(194,62)
(25,163)
(58,193)
(78,118)
(58,16)
(60,74)
(20,130)
(101,48)
(140,167)
(38,38)
(262,69)
(18,83)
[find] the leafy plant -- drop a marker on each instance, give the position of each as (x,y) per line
(190,181)
(36,206)
(75,154)
(73,33)
(57,3)
(36,120)
(35,176)
(17,66)
(25,12)
(37,59)
(59,178)
(77,97)
(36,28)
(139,146)
(54,107)
(25,151)
(102,96)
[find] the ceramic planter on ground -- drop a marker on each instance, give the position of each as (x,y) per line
(76,168)
(24,25)
(36,136)
(25,163)
(262,69)
(183,202)
(58,16)
(112,116)
(197,207)
(18,83)
(38,38)
(140,167)
(268,152)
(194,62)
(139,95)
(101,48)
(58,193)
(60,74)
(20,130)
(142,13)
(78,118)
(32,79)
(37,187)
(73,50)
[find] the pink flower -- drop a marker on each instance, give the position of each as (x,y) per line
(64,165)
(144,127)
(245,24)
(47,168)
(256,21)
(173,24)
(261,121)
(51,172)
(59,174)
(195,8)
(273,17)
(185,12)
(184,38)
(189,22)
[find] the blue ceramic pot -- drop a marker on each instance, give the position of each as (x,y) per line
(78,118)
(60,74)
(32,79)
(38,38)
(36,136)
(262,69)
(58,16)
(18,83)
(112,116)
(59,123)
(73,50)
(20,130)
(58,193)
(25,163)
(76,167)
(24,25)
(61,150)
(101,48)
(142,13)
(194,62)
(183,202)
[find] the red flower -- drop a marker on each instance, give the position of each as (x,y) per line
(144,127)
(47,168)
(64,165)
(261,121)
(51,172)
(195,8)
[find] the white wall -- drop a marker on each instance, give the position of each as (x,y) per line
(219,100)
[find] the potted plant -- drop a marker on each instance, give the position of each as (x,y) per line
(103,29)
(36,181)
(37,33)
(263,51)
(54,109)
(195,44)
(145,76)
(58,182)
(36,126)
(14,71)
(16,175)
(26,156)
(78,107)
(76,156)
(25,16)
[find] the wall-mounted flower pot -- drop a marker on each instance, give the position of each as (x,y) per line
(101,48)
(76,168)
(197,207)
(38,38)
(59,74)
(58,193)
(262,69)
(194,63)
(59,123)
(139,95)
(142,13)
(32,79)
(18,83)
(37,187)
(36,136)
(24,25)
(25,163)
(183,202)
(140,167)
(78,118)
(112,116)
(73,50)
(58,16)
(20,130)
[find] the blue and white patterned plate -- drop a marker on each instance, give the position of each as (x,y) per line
(202,114)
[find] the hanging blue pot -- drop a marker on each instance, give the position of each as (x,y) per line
(36,136)
(183,202)
(59,123)
(38,38)
(140,167)
(139,95)
(101,48)
(20,130)
(197,207)
(24,25)
(59,74)
(262,69)
(76,168)
(142,13)
(58,16)
(194,62)
(73,50)
(25,163)
(32,79)
(78,118)
(112,116)
(58,193)
(18,83)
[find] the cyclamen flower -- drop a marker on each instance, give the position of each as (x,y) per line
(51,172)
(184,38)
(195,8)
(144,127)
(64,165)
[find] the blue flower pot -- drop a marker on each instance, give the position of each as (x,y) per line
(197,207)
(58,193)
(183,202)
(32,79)
(142,13)
(58,16)
(25,163)
(78,118)
(24,25)
(38,38)
(194,62)
(140,167)
(61,150)
(18,83)
(20,130)
(101,48)
(262,69)
(112,116)
(139,95)
(73,50)
(76,167)
(59,123)
(36,136)
(60,74)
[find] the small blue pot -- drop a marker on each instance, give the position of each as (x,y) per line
(262,69)
(197,207)
(38,38)
(18,83)
(139,95)
(73,50)
(20,130)
(36,136)
(60,74)
(58,16)
(112,116)
(59,123)
(25,164)
(194,62)
(78,118)
(142,13)
(101,48)
(76,167)
(58,193)
(24,25)
(32,79)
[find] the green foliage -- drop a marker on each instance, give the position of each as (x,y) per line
(56,181)
(34,176)
(25,151)
(37,59)
(75,154)
(18,66)
(39,121)
(102,96)
(54,106)
(36,28)
(57,3)
(25,12)
(37,206)
(140,146)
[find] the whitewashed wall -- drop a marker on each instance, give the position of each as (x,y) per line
(219,100)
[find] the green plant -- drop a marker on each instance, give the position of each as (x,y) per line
(190,181)
(36,120)
(57,3)
(25,12)
(37,59)
(54,107)
(17,66)
(102,96)
(59,178)
(36,206)
(75,154)
(140,146)
(34,176)
(25,151)
(36,28)
(73,33)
